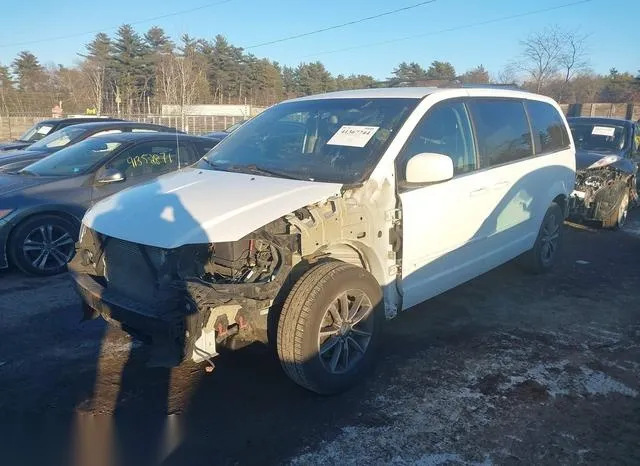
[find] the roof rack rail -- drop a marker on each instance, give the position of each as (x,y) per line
(512,86)
(441,83)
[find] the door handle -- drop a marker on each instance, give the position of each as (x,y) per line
(501,184)
(477,192)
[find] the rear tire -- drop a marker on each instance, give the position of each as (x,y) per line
(543,256)
(330,326)
(43,245)
(618,217)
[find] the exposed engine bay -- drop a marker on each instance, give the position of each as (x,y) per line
(600,187)
(217,292)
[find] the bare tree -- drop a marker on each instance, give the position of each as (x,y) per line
(574,57)
(96,73)
(541,55)
(507,75)
(181,80)
(553,54)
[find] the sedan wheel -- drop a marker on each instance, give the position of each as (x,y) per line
(43,245)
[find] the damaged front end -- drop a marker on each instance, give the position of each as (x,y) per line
(599,188)
(185,301)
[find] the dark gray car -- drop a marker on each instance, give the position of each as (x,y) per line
(42,205)
(14,160)
(607,156)
(44,128)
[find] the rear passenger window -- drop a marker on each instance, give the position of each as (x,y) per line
(502,131)
(549,133)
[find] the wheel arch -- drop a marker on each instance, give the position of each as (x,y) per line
(358,254)
(562,201)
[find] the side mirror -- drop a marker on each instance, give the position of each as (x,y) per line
(110,175)
(429,168)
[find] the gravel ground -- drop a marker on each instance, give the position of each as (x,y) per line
(506,369)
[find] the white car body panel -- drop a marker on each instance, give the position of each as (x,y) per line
(459,229)
(451,231)
(201,206)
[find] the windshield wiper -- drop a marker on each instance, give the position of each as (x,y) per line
(27,172)
(252,168)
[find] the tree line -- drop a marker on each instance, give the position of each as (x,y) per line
(132,73)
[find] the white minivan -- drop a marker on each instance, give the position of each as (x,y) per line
(314,221)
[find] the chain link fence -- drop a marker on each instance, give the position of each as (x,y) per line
(11,127)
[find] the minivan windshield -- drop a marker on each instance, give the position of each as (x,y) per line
(58,139)
(73,160)
(36,132)
(598,136)
(331,140)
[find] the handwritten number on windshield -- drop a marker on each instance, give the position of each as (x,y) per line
(150,159)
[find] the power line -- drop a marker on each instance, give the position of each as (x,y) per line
(455,28)
(155,18)
(337,26)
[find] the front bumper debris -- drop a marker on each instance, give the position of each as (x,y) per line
(139,289)
(169,339)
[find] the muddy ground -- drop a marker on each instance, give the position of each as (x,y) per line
(507,369)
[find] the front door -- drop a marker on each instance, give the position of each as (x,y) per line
(442,224)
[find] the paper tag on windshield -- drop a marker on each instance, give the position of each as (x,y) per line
(608,131)
(44,129)
(353,136)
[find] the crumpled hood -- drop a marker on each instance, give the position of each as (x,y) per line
(585,159)
(195,206)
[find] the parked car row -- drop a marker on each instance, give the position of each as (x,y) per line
(46,127)
(46,187)
(309,225)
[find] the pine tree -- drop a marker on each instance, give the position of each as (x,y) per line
(28,72)
(131,67)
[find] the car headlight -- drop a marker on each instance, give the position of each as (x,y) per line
(5,212)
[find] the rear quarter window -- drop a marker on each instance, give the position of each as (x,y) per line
(549,132)
(502,130)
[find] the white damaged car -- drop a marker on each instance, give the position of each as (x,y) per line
(323,216)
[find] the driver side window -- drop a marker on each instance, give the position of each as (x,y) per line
(146,159)
(446,129)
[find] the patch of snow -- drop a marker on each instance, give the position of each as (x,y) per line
(599,383)
(558,381)
(438,458)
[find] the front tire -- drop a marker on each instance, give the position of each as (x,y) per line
(544,254)
(43,245)
(330,326)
